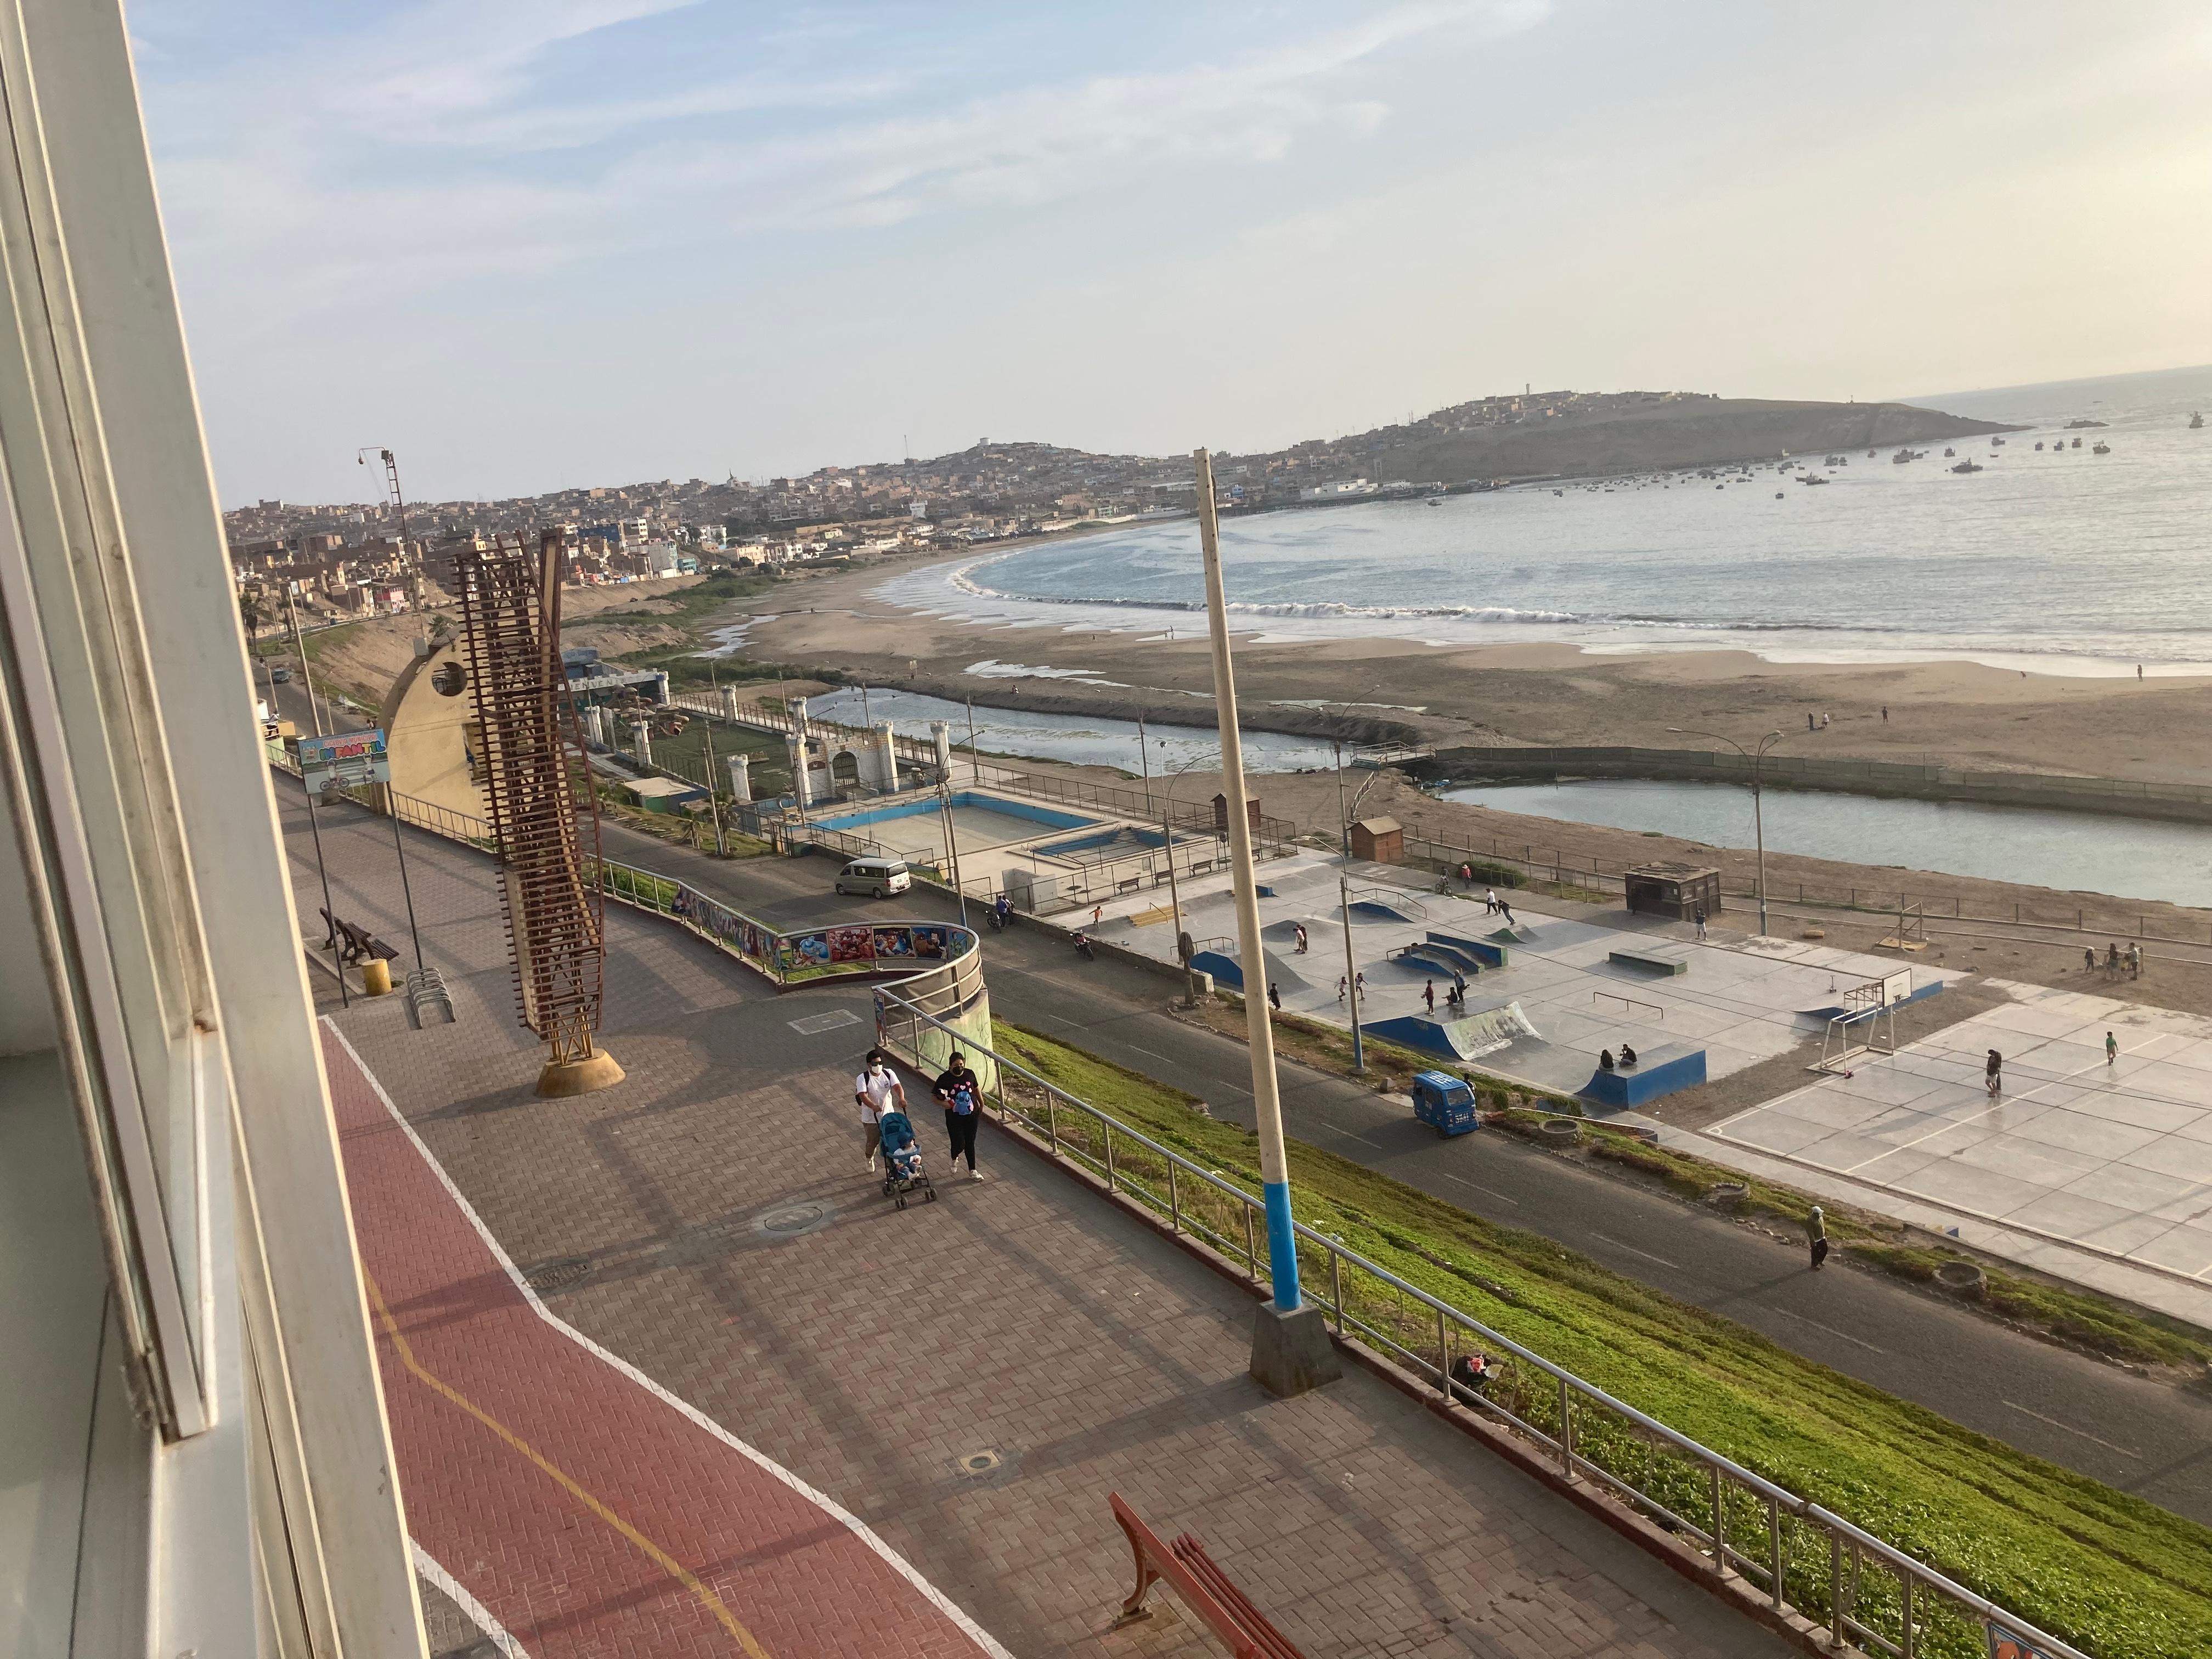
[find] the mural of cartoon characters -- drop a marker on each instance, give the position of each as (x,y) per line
(895,942)
(855,944)
(933,942)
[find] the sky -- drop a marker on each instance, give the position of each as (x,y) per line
(531,243)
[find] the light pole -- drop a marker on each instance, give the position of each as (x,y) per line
(1175,891)
(1344,912)
(1756,756)
(1291,1348)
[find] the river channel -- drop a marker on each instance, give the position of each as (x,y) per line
(2128,858)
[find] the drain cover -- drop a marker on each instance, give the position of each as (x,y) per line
(789,1220)
(816,1025)
(559,1274)
(981,1462)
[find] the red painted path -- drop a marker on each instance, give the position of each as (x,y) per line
(588,1512)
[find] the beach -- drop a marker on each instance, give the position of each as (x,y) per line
(1963,712)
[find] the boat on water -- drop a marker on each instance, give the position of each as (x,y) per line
(2077,443)
(2039,447)
(2101,448)
(1970,466)
(2082,426)
(1948,454)
(1996,443)
(1811,478)
(2196,422)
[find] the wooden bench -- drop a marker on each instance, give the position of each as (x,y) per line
(1205,1588)
(352,943)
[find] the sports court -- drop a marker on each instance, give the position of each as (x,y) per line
(2117,1159)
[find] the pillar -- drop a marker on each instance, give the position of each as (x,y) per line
(729,702)
(741,780)
(660,687)
(595,724)
(878,761)
(801,782)
(641,741)
(942,733)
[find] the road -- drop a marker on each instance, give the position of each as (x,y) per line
(2141,1435)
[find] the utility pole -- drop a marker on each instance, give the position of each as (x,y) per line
(1142,758)
(1291,1348)
(714,801)
(1351,971)
(412,560)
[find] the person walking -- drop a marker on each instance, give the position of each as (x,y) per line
(1301,951)
(2088,959)
(1274,997)
(1359,982)
(2112,959)
(1885,713)
(1429,994)
(1097,912)
(1993,1072)
(1816,1235)
(1341,985)
(1810,724)
(962,1096)
(1490,900)
(2134,960)
(879,1090)
(2112,1049)
(1701,924)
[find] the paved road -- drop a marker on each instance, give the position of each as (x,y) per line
(2141,1436)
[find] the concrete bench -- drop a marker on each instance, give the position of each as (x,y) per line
(1650,961)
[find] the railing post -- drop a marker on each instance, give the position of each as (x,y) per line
(1720,1525)
(1107,1123)
(1905,1649)
(1336,1287)
(1566,1432)
(1052,1120)
(1251,1253)
(1774,1546)
(1444,1357)
(1174,1201)
(1836,1614)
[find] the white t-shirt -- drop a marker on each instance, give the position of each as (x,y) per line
(877,1090)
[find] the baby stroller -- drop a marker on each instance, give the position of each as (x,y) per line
(903,1175)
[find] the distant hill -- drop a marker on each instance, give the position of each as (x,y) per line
(1620,437)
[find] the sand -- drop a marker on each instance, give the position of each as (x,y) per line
(1964,714)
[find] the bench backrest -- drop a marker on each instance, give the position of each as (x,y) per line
(1204,1588)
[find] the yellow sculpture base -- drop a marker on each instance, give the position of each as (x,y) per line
(562,1078)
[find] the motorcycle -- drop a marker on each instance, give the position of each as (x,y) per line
(1083,946)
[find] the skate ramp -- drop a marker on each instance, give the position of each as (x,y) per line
(1469,1036)
(1228,970)
(1658,1073)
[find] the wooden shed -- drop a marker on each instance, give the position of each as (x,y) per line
(1378,841)
(1671,889)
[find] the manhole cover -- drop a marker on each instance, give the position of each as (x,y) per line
(558,1275)
(789,1220)
(981,1462)
(816,1025)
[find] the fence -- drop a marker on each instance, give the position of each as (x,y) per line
(1800,1558)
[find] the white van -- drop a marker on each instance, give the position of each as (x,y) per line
(879,878)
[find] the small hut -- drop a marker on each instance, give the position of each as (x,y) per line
(1673,889)
(1378,841)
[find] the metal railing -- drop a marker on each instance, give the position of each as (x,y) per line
(1797,1556)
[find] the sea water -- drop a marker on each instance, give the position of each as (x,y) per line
(2062,560)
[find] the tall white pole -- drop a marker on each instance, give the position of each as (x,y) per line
(1275,1167)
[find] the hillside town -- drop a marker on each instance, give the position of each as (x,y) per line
(346,559)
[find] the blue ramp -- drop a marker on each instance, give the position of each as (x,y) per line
(1485,951)
(1468,1036)
(1658,1073)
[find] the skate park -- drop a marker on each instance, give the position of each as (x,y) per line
(1545,994)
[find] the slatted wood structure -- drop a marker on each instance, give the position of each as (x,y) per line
(537,794)
(1204,1588)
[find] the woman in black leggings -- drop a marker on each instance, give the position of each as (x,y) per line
(962,1096)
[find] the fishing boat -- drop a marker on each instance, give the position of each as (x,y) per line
(1949,454)
(2101,448)
(2039,447)
(2077,443)
(1969,466)
(1996,443)
(2196,422)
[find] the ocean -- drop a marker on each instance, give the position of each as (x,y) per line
(2060,562)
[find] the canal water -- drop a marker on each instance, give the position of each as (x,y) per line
(1072,739)
(2128,858)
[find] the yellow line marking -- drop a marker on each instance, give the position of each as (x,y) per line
(661,1558)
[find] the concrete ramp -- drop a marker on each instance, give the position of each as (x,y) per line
(1468,1037)
(1658,1073)
(1483,952)
(1378,909)
(1518,934)
(1228,970)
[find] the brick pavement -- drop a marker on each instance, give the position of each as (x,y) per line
(874,1353)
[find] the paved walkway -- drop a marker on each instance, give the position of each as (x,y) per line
(967,1379)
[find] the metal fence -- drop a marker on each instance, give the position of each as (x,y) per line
(1799,1557)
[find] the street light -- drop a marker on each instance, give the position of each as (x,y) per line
(1175,891)
(1758,820)
(1343,908)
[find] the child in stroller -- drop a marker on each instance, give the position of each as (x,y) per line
(902,1171)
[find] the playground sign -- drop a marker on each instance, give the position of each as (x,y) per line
(341,761)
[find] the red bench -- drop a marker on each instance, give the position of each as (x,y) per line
(1205,1588)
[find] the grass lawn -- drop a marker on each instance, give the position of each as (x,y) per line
(2117,1576)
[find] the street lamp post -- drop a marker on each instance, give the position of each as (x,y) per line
(1174,889)
(1756,756)
(1291,1348)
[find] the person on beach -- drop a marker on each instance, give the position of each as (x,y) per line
(1701,924)
(1816,1235)
(1301,951)
(1429,994)
(1885,713)
(1993,1072)
(879,1090)
(2112,1049)
(962,1096)
(1810,725)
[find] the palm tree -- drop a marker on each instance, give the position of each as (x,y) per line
(250,613)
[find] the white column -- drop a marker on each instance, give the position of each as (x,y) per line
(729,702)
(878,761)
(595,724)
(800,786)
(640,736)
(741,780)
(943,732)
(660,688)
